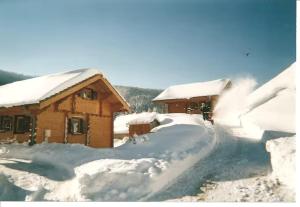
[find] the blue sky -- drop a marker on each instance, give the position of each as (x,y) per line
(149,43)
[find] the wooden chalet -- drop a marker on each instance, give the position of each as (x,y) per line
(70,107)
(187,98)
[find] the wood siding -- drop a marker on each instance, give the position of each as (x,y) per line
(52,115)
(101,135)
(177,107)
(139,129)
(50,120)
(181,106)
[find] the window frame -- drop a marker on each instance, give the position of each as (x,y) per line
(17,130)
(3,121)
(81,125)
(92,94)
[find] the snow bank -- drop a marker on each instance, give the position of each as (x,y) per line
(130,172)
(187,91)
(283,159)
(273,105)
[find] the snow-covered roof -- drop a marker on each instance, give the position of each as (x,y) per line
(191,90)
(143,118)
(34,90)
(122,122)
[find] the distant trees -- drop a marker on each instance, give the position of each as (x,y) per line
(140,99)
(9,77)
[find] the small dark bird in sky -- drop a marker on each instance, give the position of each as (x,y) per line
(247,54)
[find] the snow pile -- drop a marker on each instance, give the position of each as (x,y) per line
(187,91)
(283,159)
(272,106)
(122,122)
(34,90)
(143,118)
(133,171)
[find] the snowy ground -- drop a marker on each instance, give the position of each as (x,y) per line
(260,164)
(183,159)
(248,177)
(186,159)
(130,172)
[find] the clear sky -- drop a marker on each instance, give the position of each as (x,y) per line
(149,43)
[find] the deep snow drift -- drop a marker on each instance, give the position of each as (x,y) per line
(130,172)
(268,109)
(272,107)
(283,159)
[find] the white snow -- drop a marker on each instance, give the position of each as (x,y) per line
(273,105)
(228,109)
(143,118)
(184,153)
(187,91)
(122,122)
(283,159)
(34,90)
(73,172)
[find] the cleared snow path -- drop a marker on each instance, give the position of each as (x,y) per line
(232,158)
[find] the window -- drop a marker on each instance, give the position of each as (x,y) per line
(22,124)
(76,126)
(88,94)
(5,123)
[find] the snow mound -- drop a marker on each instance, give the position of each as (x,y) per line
(272,106)
(283,159)
(122,122)
(133,171)
(143,118)
(187,91)
(34,90)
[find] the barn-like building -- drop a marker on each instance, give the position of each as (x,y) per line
(187,98)
(70,107)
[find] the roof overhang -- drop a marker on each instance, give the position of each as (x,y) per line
(124,106)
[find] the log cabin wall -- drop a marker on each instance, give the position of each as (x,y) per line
(177,107)
(182,106)
(101,131)
(28,111)
(96,114)
(49,119)
(139,129)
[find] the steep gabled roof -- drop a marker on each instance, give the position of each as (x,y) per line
(35,90)
(192,90)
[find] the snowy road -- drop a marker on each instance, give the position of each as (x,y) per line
(232,159)
(204,154)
